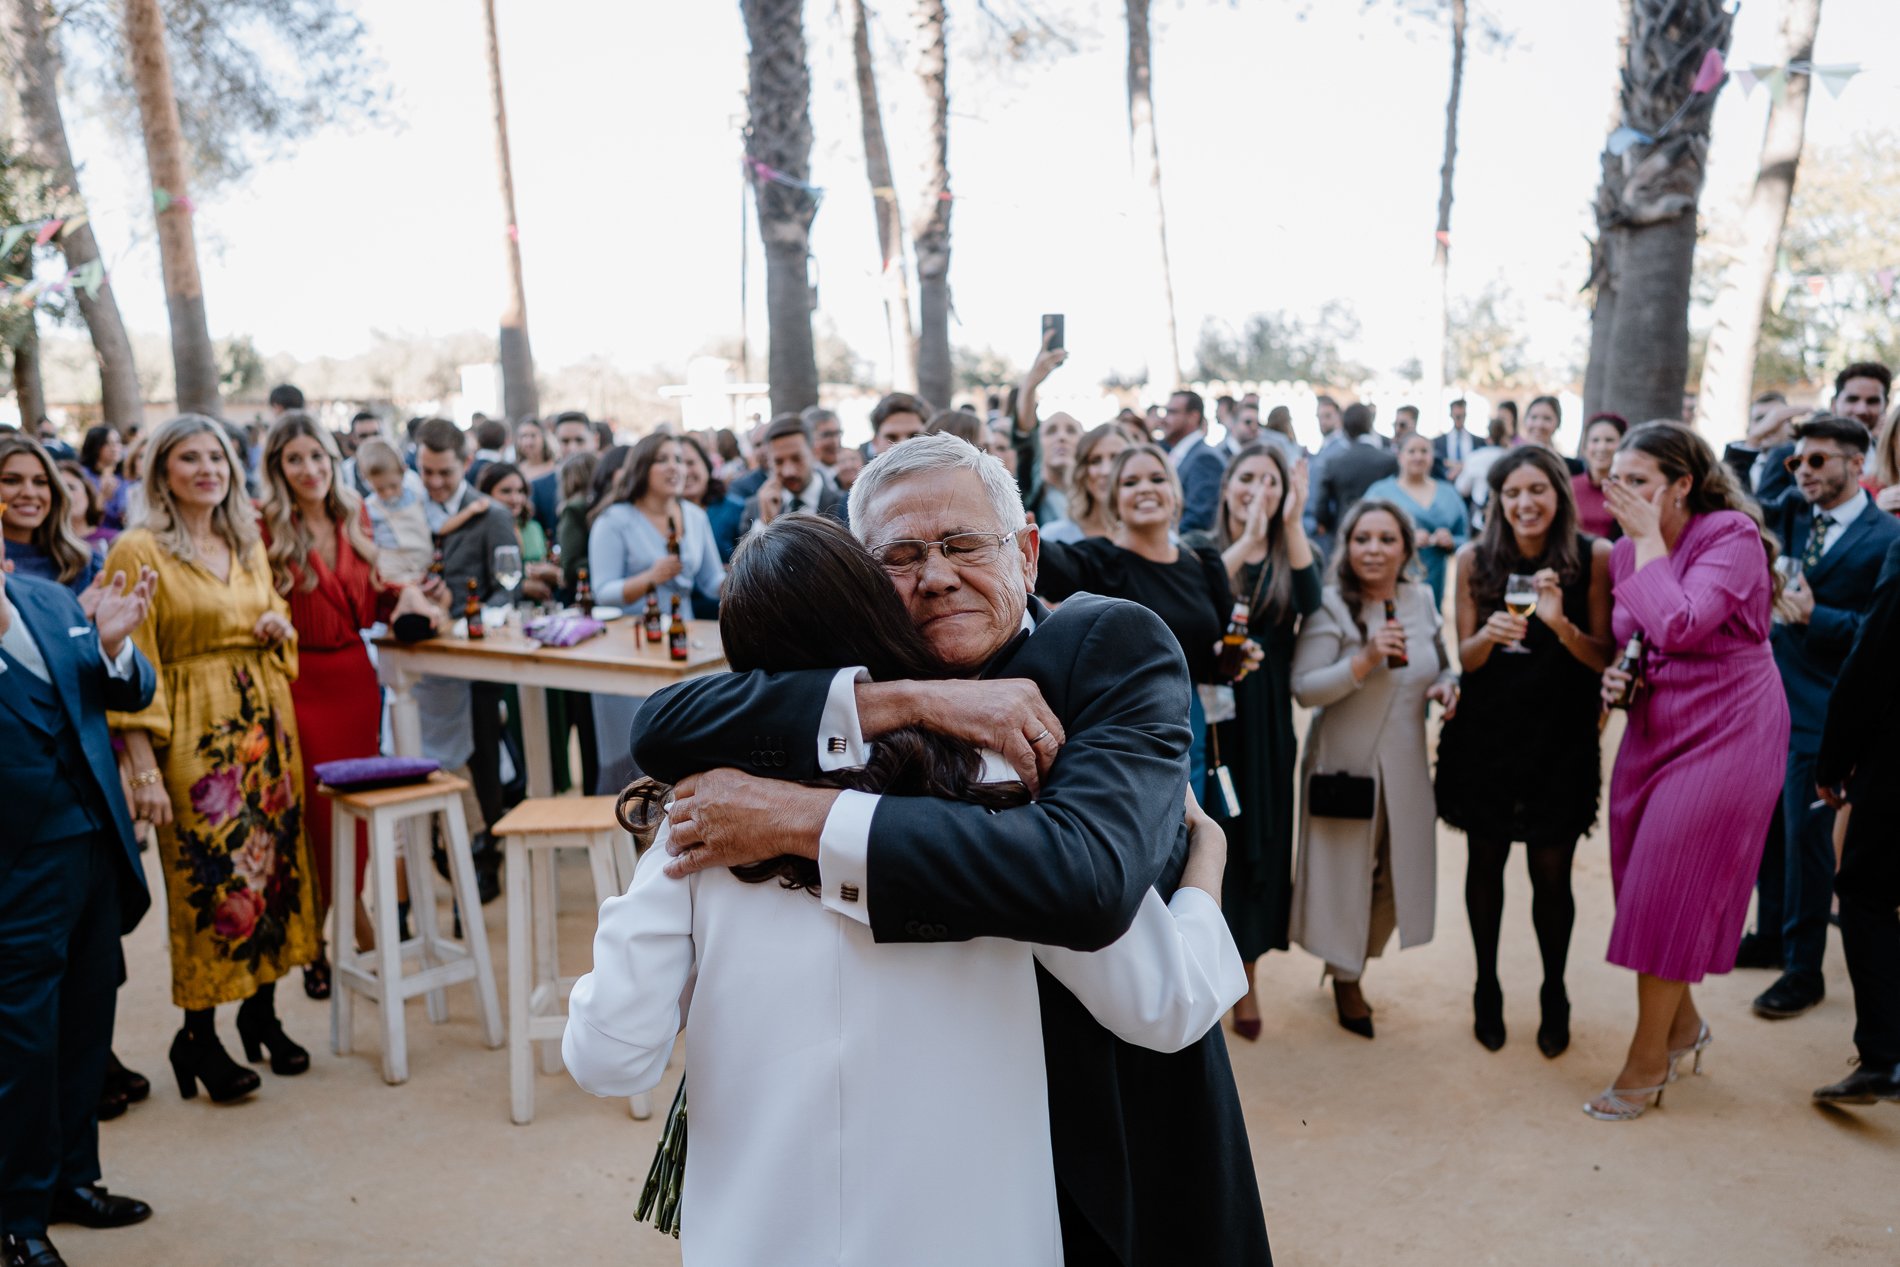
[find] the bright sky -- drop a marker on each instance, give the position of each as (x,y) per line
(1300,161)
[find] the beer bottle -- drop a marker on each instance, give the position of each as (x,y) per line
(435,565)
(583,593)
(676,633)
(1632,664)
(473,609)
(672,536)
(1233,644)
(1398,659)
(653,615)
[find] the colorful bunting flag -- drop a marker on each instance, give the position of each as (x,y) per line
(1834,78)
(46,232)
(12,237)
(1708,76)
(1885,277)
(1779,294)
(1624,138)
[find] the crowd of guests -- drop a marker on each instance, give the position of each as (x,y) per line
(223,581)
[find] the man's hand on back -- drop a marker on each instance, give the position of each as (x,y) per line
(723,818)
(1007,715)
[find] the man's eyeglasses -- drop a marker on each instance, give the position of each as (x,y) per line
(1813,461)
(961,549)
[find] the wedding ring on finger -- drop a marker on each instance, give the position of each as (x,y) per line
(1039,738)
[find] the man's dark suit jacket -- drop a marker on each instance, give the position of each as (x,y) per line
(1860,738)
(1151,1156)
(830,502)
(28,759)
(1810,656)
(1350,471)
(1200,473)
(1776,483)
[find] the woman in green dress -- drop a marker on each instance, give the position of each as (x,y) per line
(1271,567)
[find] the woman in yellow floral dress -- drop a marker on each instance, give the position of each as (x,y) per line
(216,761)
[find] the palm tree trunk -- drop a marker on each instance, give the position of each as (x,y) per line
(43,143)
(1433,361)
(27,389)
(1604,267)
(1647,209)
(778,141)
(1144,152)
(877,166)
(1728,371)
(194,365)
(519,397)
(930,230)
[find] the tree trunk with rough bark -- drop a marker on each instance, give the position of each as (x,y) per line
(194,363)
(890,225)
(42,142)
(519,396)
(1438,321)
(778,151)
(930,229)
(1144,155)
(27,388)
(1646,212)
(1728,370)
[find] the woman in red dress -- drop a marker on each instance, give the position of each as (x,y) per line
(323,560)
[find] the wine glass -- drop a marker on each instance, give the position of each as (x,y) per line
(508,567)
(1520,599)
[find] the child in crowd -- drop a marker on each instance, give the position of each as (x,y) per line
(405,546)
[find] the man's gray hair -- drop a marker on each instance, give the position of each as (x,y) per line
(926,455)
(815,414)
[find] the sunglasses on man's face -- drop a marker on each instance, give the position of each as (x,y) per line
(1813,461)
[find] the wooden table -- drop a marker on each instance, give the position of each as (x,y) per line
(618,662)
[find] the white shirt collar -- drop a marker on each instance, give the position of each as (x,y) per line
(18,641)
(1179,452)
(1848,511)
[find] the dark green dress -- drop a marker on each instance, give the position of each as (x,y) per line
(1261,752)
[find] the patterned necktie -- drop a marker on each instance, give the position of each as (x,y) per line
(1817,537)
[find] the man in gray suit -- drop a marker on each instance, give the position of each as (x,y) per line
(1352,469)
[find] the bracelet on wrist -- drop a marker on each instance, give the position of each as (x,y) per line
(145,778)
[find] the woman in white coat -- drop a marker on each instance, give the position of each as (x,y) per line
(1368,853)
(855,1103)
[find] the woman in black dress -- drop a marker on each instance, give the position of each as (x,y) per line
(1519,761)
(1140,561)
(1271,568)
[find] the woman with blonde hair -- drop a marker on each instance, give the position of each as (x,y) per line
(1883,481)
(323,561)
(1089,498)
(216,761)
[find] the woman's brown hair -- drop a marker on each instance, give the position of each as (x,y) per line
(289,548)
(55,536)
(630,481)
(1351,588)
(1495,556)
(1084,507)
(1277,599)
(1677,451)
(778,612)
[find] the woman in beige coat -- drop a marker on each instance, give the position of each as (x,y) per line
(1360,877)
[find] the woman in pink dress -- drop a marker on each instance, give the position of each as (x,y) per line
(1698,774)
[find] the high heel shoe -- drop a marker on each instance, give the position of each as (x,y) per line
(1553,1032)
(316,978)
(287,1059)
(1360,1025)
(1701,1044)
(135,1086)
(1487,1008)
(1247,1028)
(205,1061)
(1618,1106)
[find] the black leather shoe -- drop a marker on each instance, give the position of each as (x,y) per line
(261,1031)
(1553,1032)
(30,1251)
(1866,1085)
(1758,951)
(1360,1025)
(134,1086)
(205,1060)
(1793,994)
(112,1103)
(90,1205)
(1487,1010)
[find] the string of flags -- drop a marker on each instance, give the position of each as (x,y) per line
(1708,77)
(1834,78)
(88,277)
(1818,285)
(767,172)
(164,200)
(42,231)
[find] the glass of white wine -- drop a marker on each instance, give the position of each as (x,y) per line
(1520,599)
(508,567)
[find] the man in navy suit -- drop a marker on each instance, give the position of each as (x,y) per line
(1839,538)
(70,886)
(1757,462)
(1195,461)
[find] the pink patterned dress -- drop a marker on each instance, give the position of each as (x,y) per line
(1700,770)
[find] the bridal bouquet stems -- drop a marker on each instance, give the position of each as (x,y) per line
(660,1198)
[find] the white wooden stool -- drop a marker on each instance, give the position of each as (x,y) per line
(382,974)
(537,1012)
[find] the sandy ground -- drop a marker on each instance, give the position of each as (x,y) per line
(1417,1148)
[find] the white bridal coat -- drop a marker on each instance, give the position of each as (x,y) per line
(862,1104)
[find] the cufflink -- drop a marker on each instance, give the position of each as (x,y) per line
(848,892)
(835,745)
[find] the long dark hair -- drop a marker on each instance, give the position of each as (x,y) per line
(715,487)
(1678,451)
(1496,555)
(1351,589)
(778,612)
(94,445)
(494,473)
(1277,598)
(630,481)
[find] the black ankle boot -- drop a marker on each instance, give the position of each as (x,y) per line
(1487,1010)
(1553,1034)
(200,1059)
(259,1028)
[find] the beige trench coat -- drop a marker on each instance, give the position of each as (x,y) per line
(1374,728)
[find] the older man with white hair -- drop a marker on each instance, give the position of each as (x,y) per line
(1151,1155)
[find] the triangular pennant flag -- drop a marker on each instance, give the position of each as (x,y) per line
(1817,285)
(161,200)
(12,238)
(1885,276)
(1747,79)
(46,232)
(89,277)
(72,222)
(1834,78)
(1777,81)
(1779,294)
(1708,76)
(1442,237)
(1624,138)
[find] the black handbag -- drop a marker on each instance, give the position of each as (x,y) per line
(1339,795)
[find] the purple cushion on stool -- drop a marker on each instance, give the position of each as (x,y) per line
(358,774)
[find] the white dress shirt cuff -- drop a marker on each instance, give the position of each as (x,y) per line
(844,853)
(120,666)
(841,743)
